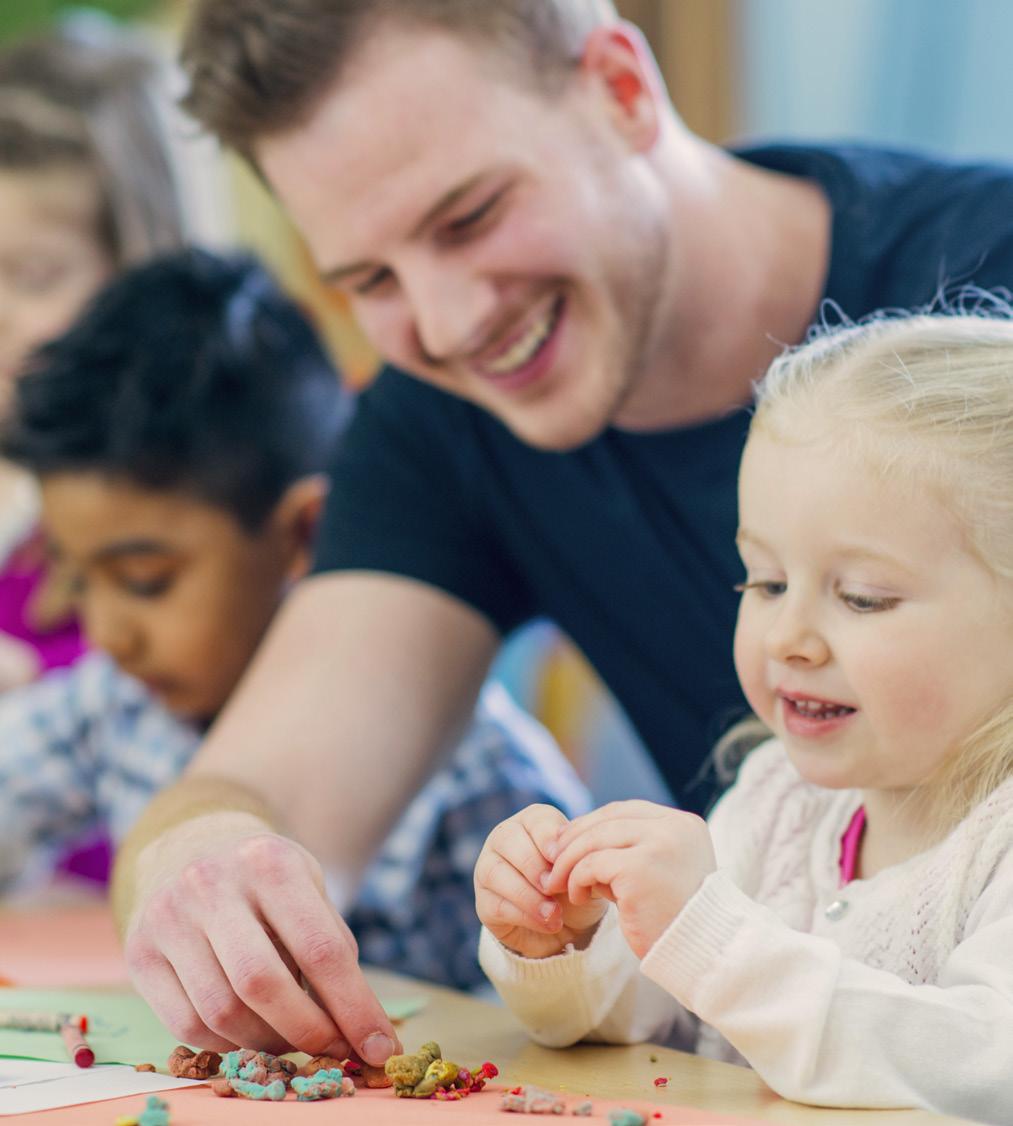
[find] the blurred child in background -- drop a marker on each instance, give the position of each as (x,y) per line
(86,188)
(180,432)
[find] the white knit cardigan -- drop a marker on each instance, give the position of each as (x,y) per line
(895,991)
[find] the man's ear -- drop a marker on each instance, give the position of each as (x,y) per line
(297,517)
(618,55)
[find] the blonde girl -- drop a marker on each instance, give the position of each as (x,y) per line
(844,919)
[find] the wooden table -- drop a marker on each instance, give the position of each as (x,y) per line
(479,1030)
(468,1030)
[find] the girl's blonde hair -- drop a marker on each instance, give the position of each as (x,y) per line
(91,95)
(930,397)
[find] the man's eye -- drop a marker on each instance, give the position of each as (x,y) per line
(37,277)
(867,603)
(373,282)
(766,588)
(472,218)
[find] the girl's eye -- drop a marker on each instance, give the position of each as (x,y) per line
(766,588)
(867,603)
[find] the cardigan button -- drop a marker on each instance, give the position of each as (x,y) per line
(836,910)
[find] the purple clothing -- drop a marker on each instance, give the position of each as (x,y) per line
(19,580)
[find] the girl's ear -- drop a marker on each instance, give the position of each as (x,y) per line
(618,55)
(297,517)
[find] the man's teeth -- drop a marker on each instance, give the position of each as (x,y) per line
(522,349)
(818,708)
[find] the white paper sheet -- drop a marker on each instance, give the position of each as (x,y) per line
(27,1085)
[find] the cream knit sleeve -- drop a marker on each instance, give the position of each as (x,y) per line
(595,994)
(823,1028)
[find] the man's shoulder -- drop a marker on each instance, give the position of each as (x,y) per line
(856,169)
(911,230)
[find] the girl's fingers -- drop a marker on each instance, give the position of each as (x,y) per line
(542,824)
(508,874)
(521,841)
(593,875)
(637,811)
(597,835)
(498,912)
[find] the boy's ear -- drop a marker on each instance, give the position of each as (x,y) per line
(297,517)
(618,55)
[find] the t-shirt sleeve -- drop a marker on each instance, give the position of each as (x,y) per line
(406,498)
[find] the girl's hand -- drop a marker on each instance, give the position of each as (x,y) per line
(508,895)
(648,859)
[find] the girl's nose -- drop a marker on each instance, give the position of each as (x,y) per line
(794,637)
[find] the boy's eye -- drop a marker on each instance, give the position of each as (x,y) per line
(866,603)
(148,588)
(143,581)
(766,588)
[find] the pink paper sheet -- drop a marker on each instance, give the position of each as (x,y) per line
(77,947)
(199,1107)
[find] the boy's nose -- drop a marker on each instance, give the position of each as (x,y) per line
(113,633)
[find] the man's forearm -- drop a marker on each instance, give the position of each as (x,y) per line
(190,798)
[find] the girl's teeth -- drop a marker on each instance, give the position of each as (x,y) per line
(817,708)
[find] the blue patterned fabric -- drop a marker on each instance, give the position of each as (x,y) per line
(88,747)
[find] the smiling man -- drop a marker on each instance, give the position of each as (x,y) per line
(576,295)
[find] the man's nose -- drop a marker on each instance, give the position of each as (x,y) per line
(452,309)
(794,636)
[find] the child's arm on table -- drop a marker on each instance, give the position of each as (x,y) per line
(563,969)
(818,1026)
(823,1028)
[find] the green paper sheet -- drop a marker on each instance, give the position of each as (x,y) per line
(121,1027)
(401,1008)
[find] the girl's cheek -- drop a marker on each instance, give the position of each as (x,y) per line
(749,665)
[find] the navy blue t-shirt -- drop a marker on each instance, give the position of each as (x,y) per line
(628,542)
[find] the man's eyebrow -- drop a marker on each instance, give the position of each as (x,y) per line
(446,201)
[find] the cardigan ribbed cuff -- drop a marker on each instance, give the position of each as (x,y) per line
(503,965)
(697,937)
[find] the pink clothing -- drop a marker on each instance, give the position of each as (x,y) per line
(850,841)
(19,580)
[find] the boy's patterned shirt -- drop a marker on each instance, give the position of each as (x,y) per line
(88,747)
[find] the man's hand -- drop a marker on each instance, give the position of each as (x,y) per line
(648,859)
(508,888)
(220,939)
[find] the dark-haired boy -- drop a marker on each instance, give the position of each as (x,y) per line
(179,432)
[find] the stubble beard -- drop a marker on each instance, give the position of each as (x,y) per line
(641,314)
